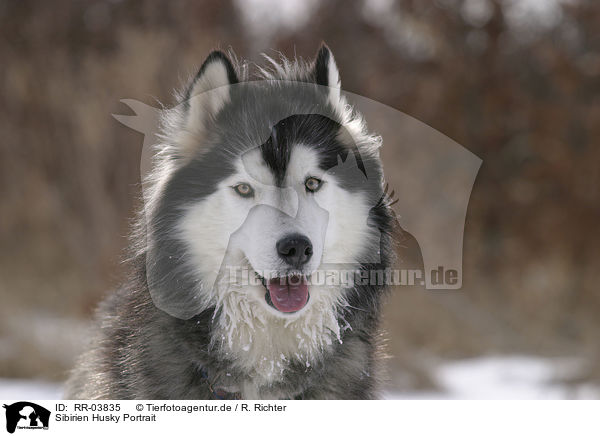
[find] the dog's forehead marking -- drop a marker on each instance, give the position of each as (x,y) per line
(303,162)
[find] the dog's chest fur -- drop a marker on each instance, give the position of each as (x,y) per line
(145,353)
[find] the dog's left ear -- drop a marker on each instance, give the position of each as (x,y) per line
(326,72)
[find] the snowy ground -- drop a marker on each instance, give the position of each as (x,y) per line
(501,377)
(16,389)
(506,378)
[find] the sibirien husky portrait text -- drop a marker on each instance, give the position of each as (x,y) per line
(265,214)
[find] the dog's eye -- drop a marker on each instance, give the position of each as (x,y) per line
(313,184)
(244,190)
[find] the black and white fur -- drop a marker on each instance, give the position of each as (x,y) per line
(176,329)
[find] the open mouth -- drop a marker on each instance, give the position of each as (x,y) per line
(287,294)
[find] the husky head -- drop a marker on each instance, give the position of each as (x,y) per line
(258,185)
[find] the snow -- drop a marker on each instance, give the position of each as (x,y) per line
(18,389)
(494,377)
(506,378)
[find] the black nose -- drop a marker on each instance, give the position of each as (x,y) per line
(295,249)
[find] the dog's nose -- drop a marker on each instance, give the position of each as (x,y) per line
(295,249)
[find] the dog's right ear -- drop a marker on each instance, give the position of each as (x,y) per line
(207,94)
(209,91)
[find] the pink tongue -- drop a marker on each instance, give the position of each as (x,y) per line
(288,294)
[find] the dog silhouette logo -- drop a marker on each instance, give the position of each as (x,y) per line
(26,415)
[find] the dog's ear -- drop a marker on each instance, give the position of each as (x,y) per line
(207,94)
(326,72)
(209,90)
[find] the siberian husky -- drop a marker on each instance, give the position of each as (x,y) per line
(264,222)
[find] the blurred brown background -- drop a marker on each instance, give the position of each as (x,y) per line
(516,82)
